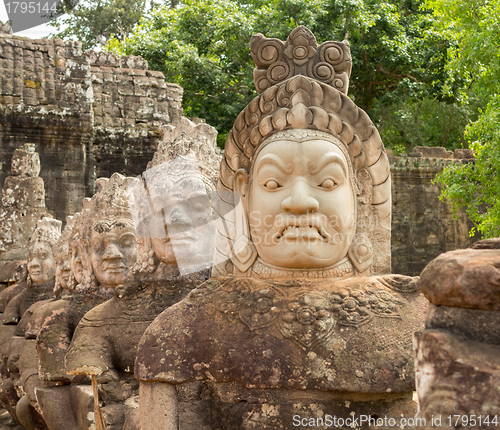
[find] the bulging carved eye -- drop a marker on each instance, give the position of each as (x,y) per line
(271,185)
(328,184)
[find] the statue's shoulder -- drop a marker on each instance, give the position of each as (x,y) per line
(183,333)
(99,315)
(400,283)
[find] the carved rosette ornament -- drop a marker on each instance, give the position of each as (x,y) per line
(276,61)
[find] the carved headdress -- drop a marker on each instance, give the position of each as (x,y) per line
(302,92)
(62,243)
(47,230)
(80,232)
(195,144)
(111,203)
(185,150)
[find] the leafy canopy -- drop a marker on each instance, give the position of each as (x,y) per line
(475,59)
(398,59)
(95,22)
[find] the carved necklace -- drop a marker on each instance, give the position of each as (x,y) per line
(264,270)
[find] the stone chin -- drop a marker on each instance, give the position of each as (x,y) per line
(304,255)
(164,251)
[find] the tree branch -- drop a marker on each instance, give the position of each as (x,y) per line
(381,69)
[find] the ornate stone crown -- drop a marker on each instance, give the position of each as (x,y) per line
(276,61)
(66,234)
(195,144)
(47,230)
(112,198)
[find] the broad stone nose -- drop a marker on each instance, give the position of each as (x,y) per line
(178,216)
(34,262)
(112,252)
(300,199)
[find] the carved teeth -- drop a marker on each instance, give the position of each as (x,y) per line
(305,229)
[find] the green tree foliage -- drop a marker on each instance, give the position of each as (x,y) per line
(398,59)
(94,22)
(475,60)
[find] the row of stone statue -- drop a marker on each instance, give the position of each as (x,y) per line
(110,254)
(251,296)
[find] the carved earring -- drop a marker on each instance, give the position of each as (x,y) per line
(361,253)
(243,250)
(71,281)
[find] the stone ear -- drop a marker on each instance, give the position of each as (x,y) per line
(85,255)
(241,182)
(243,251)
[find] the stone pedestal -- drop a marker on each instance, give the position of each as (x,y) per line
(458,353)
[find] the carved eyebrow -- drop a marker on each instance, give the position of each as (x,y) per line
(276,161)
(196,194)
(329,157)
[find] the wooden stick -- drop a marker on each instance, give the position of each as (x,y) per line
(97,409)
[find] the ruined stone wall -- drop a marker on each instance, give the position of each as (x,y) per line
(422,226)
(89,114)
(92,114)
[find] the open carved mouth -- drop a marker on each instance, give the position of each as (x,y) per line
(312,229)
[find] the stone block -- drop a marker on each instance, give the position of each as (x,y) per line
(97,78)
(473,324)
(455,376)
(155,74)
(133,62)
(141,91)
(134,72)
(466,278)
(463,154)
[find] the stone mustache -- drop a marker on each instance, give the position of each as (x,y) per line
(300,316)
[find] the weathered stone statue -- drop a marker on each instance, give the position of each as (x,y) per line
(60,317)
(34,317)
(293,322)
(66,401)
(458,353)
(23,203)
(27,409)
(172,211)
(41,279)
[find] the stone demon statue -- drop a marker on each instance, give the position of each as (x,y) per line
(300,316)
